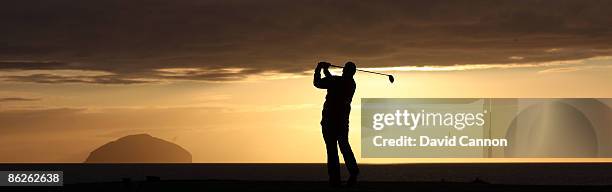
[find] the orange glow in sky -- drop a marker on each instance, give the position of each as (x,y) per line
(262,118)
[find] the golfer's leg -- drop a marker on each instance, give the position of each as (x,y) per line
(347,153)
(333,162)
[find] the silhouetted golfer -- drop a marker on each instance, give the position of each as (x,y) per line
(335,121)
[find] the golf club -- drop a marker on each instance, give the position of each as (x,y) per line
(391,79)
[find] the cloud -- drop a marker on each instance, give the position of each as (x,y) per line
(24,65)
(466,67)
(13,99)
(21,121)
(48,78)
(220,74)
(561,70)
(139,39)
(575,68)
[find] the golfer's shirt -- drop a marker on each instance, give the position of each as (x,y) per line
(337,107)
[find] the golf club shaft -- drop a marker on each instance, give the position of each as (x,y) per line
(362,70)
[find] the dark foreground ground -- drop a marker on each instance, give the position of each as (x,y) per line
(194,185)
(311,177)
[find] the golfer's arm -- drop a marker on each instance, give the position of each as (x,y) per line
(317,81)
(326,72)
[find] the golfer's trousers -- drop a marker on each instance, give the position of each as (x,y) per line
(337,136)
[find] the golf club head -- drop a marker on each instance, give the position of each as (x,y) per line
(391,78)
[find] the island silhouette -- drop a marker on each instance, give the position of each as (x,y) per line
(139,148)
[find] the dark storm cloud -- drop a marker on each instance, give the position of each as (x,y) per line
(133,39)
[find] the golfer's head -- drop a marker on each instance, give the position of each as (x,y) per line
(349,69)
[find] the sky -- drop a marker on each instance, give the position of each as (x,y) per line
(231,81)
